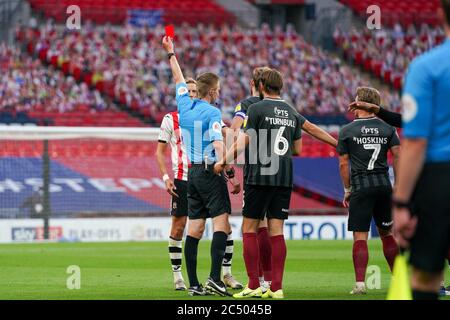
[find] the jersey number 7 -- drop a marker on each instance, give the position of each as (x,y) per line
(376,151)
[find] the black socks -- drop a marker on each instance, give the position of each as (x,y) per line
(190,255)
(218,245)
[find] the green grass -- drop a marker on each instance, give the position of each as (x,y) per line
(314,270)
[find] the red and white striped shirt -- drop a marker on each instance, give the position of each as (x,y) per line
(170,132)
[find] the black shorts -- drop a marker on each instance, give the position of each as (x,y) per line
(261,201)
(179,205)
(431,204)
(207,193)
(367,203)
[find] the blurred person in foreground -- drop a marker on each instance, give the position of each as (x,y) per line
(421,198)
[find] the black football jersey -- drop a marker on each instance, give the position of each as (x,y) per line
(367,142)
(273,126)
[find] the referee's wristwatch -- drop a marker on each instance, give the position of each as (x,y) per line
(170,55)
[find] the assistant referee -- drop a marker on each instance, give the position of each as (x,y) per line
(423,186)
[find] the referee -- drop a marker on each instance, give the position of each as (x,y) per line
(208,196)
(423,186)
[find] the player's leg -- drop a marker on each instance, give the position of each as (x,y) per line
(265,254)
(176,250)
(179,217)
(228,278)
(277,213)
(255,203)
(279,252)
(390,246)
(360,261)
(251,258)
(383,220)
(360,217)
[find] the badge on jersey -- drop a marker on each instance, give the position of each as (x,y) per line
(217,127)
(409,107)
(182,91)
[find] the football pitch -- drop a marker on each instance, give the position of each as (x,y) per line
(136,270)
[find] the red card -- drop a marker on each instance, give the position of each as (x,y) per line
(170,31)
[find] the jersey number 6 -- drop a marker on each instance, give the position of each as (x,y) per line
(281,140)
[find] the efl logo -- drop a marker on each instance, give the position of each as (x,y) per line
(374,20)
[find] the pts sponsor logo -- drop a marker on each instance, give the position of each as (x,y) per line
(281,113)
(370,131)
(26,234)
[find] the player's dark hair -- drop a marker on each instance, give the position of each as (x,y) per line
(272,81)
(256,75)
(206,82)
(369,95)
(190,80)
(446,8)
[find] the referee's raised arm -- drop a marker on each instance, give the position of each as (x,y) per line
(176,70)
(184,102)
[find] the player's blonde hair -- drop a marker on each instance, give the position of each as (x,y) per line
(369,95)
(256,75)
(191,80)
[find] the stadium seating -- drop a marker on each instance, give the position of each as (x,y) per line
(388,52)
(405,12)
(115,11)
(136,74)
(36,94)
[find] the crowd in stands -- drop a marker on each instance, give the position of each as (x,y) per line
(387,53)
(27,85)
(128,65)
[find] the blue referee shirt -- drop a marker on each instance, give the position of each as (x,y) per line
(200,125)
(426,102)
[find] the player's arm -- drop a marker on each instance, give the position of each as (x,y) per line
(161,148)
(394,146)
(344,171)
(237,123)
(395,161)
(215,131)
(391,118)
(418,114)
(236,149)
(298,146)
(345,177)
(174,65)
(160,159)
(319,133)
(239,117)
(242,141)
